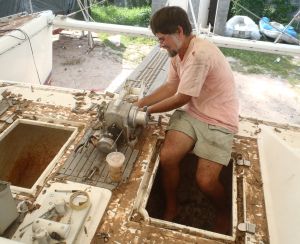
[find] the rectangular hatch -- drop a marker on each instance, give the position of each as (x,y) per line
(196,211)
(29,150)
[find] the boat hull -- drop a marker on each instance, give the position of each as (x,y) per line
(274,29)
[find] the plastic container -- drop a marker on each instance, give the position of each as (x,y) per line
(115,161)
(60,206)
(8,208)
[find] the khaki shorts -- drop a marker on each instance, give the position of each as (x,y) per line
(212,142)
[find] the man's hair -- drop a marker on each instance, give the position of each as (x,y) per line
(166,21)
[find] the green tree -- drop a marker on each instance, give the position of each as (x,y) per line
(279,10)
(255,6)
(130,3)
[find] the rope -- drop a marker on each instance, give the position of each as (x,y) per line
(80,205)
(86,8)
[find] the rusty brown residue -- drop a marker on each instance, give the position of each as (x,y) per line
(255,205)
(119,223)
(15,23)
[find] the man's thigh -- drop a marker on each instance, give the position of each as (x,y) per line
(213,143)
(177,144)
(208,169)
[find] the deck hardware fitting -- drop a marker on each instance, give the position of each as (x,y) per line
(42,216)
(241,161)
(104,236)
(247,227)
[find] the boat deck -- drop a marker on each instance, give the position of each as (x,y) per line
(122,221)
(13,22)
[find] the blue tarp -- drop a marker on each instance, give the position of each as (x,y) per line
(9,7)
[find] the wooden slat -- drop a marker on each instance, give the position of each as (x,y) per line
(107,186)
(75,157)
(78,166)
(88,164)
(79,162)
(4,105)
(129,165)
(101,167)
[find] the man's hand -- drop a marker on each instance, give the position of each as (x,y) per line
(137,103)
(132,99)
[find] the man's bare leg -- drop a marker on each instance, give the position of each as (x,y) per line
(175,147)
(208,180)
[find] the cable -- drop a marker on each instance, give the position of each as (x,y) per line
(31,49)
(4,31)
(8,30)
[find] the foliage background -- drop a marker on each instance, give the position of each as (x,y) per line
(135,16)
(277,10)
(130,3)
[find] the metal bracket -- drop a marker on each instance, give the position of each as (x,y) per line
(243,162)
(247,227)
(104,236)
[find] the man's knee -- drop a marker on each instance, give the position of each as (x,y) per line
(206,183)
(207,175)
(175,147)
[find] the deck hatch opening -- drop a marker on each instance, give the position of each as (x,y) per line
(196,210)
(27,148)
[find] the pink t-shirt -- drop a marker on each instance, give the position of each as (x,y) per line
(205,74)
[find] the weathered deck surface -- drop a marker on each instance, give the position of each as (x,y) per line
(80,165)
(118,223)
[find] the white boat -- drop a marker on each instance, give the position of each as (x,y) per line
(242,27)
(273,29)
(26,47)
(257,169)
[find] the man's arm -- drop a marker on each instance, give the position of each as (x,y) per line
(164,91)
(173,102)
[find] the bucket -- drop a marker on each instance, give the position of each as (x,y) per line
(8,209)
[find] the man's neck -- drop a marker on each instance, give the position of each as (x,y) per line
(185,46)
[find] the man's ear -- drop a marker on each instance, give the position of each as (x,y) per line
(180,30)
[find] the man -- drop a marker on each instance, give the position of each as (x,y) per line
(200,79)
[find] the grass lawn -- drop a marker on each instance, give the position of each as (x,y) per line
(127,41)
(252,62)
(244,61)
(131,48)
(138,16)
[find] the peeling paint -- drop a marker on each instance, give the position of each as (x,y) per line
(120,224)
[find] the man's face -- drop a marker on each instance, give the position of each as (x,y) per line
(170,42)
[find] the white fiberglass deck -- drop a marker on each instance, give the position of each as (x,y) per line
(280,166)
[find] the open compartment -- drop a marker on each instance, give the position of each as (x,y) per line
(196,211)
(29,150)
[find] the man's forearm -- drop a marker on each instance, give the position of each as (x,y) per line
(169,104)
(163,92)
